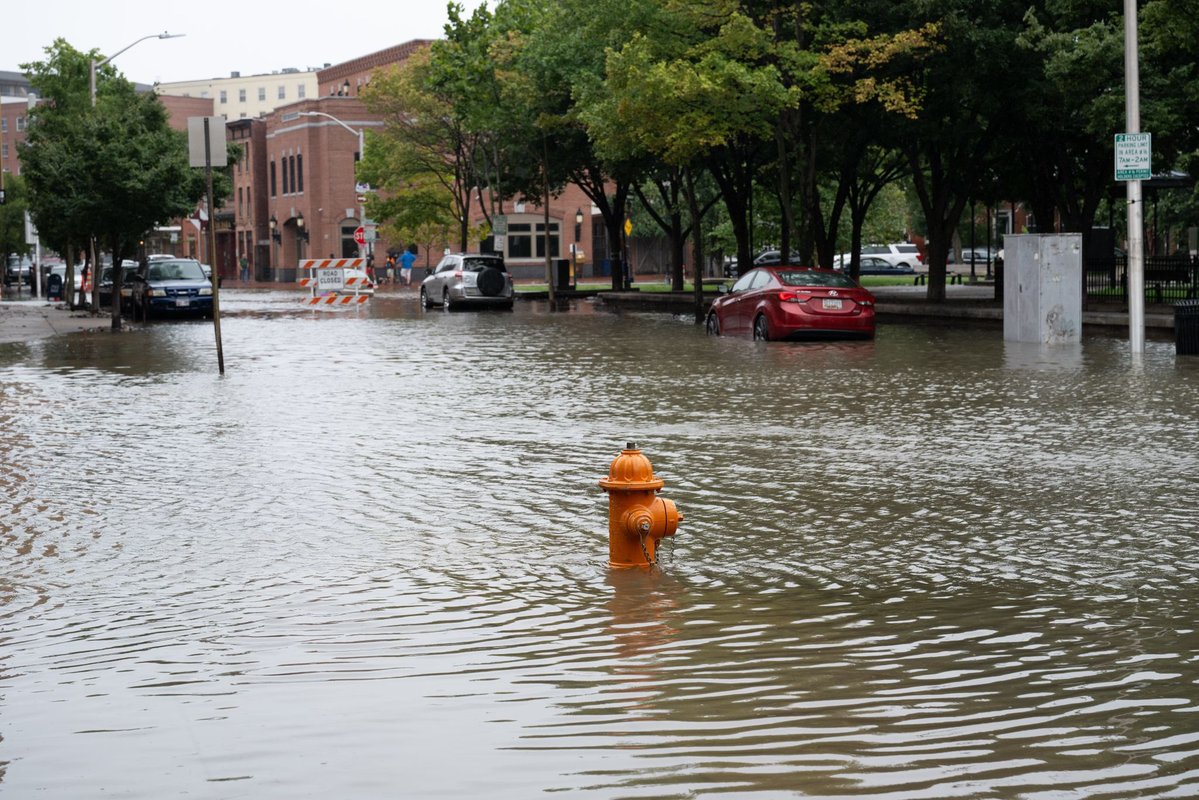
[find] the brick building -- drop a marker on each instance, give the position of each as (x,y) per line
(295,193)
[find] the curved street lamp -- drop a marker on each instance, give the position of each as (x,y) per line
(97,64)
(361,155)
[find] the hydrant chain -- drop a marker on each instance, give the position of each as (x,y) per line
(653,562)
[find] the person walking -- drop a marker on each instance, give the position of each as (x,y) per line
(406,262)
(245,269)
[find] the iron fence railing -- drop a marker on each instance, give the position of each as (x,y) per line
(1167,278)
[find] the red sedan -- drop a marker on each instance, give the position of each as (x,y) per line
(793,302)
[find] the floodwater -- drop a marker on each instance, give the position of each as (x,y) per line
(370,562)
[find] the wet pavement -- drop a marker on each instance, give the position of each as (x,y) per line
(370,561)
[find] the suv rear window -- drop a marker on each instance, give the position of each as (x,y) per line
(906,248)
(480,264)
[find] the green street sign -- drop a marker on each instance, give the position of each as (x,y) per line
(1134,154)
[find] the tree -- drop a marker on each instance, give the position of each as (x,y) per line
(120,164)
(966,87)
(12,218)
(425,158)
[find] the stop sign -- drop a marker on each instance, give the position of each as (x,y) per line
(360,235)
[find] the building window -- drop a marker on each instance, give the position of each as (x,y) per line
(241,95)
(300,172)
(224,97)
(282,92)
(4,150)
(273,194)
(4,125)
(286,184)
(520,240)
(540,239)
(526,240)
(262,94)
(292,164)
(20,123)
(301,92)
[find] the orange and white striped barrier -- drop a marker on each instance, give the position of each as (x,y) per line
(333,263)
(338,300)
(331,286)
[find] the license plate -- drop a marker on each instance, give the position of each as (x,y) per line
(832,305)
(183,302)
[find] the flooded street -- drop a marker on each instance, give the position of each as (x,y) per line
(371,562)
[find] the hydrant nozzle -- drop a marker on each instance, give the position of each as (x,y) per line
(637,518)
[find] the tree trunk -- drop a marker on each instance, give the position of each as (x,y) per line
(118,275)
(545,199)
(697,238)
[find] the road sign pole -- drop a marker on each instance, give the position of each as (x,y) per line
(1136,222)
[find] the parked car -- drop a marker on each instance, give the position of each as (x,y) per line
(19,270)
(104,287)
(772,257)
(462,279)
(980,255)
(793,302)
(900,254)
(357,282)
(873,265)
(172,287)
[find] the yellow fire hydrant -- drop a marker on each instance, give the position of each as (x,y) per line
(637,518)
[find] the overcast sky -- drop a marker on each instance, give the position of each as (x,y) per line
(247,37)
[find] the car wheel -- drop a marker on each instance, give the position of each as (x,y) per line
(445,299)
(761,329)
(712,326)
(905,265)
(424,298)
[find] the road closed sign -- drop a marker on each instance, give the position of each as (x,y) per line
(330,280)
(1134,156)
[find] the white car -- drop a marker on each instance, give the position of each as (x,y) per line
(900,254)
(356,282)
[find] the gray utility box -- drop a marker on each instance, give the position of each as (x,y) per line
(1042,288)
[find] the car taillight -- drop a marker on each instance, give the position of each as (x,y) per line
(458,274)
(865,302)
(795,297)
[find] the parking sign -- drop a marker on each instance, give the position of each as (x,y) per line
(1134,154)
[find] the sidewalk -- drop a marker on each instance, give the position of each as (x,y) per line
(26,320)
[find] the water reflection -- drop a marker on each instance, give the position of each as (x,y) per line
(931,565)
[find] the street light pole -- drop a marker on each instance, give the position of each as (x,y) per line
(361,155)
(95,65)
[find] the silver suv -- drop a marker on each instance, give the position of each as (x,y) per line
(462,279)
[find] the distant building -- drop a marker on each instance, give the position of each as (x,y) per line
(248,97)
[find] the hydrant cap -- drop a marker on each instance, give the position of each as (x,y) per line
(631,470)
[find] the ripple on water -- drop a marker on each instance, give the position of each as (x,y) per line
(932,565)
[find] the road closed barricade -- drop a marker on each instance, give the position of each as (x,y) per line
(336,282)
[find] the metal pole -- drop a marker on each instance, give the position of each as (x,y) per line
(1136,222)
(362,206)
(216,267)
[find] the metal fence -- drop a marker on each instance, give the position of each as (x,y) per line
(1167,278)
